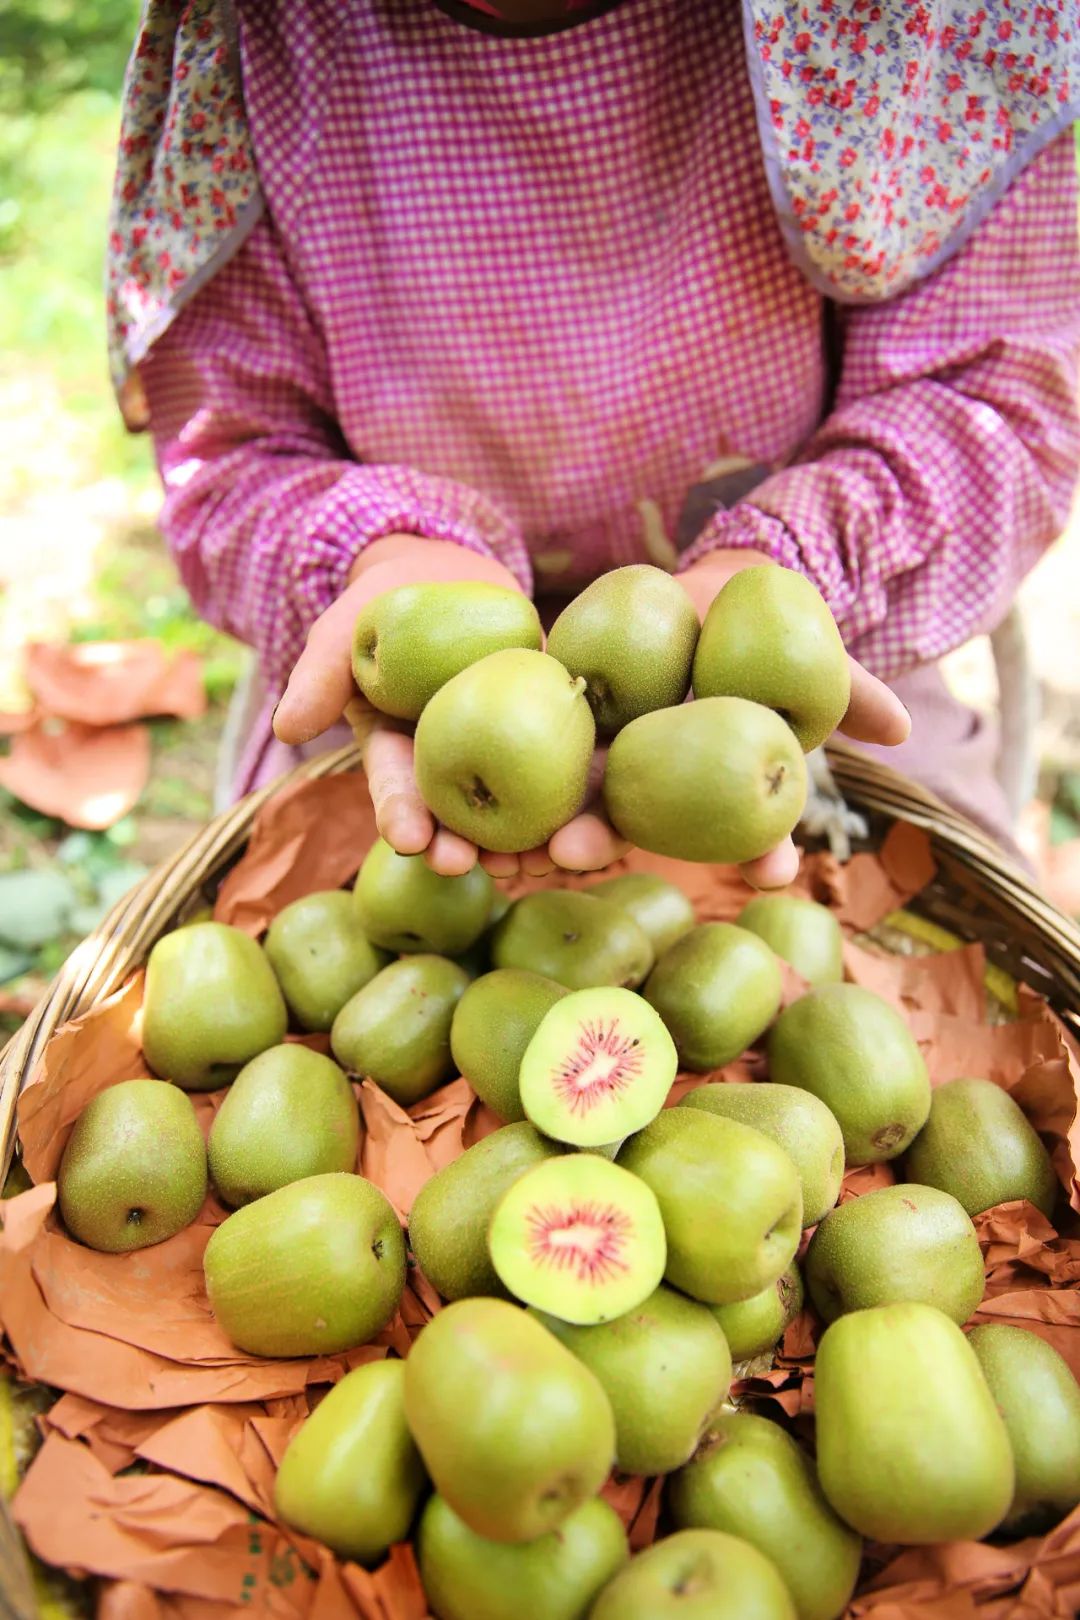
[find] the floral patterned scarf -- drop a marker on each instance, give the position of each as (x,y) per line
(889,129)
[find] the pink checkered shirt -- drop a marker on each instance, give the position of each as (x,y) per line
(530,295)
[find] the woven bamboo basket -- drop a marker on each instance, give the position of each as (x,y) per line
(978,895)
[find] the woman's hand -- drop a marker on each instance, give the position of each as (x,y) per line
(874,715)
(321,690)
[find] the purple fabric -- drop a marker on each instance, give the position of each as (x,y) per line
(952,751)
(528,294)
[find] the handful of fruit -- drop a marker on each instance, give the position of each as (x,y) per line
(505,733)
(602,1258)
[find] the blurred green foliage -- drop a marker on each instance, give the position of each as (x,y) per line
(137,594)
(50,48)
(61,69)
(61,73)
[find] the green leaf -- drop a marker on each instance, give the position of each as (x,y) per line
(1069,792)
(34,907)
(92,857)
(12,963)
(84,919)
(33,823)
(124,832)
(113,885)
(75,849)
(52,956)
(1063,825)
(116,883)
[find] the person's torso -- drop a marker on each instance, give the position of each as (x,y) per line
(547,267)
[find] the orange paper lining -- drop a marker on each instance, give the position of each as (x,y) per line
(105,683)
(150,1380)
(87,775)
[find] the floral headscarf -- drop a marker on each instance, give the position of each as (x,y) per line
(889,129)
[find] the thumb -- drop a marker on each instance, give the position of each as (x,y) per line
(321,683)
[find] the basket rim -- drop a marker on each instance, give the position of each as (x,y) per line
(107,956)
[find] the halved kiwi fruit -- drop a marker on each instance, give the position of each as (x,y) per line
(598,1068)
(493,1023)
(579,1238)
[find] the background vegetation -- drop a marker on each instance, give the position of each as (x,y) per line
(79,555)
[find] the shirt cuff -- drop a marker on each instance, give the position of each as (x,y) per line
(369,503)
(745,528)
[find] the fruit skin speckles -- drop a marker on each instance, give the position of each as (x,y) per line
(730,1200)
(901,1381)
(578,939)
(659,908)
(853,1050)
(769,637)
(702,1574)
(636,606)
(408,642)
(321,956)
(211,1002)
(897,1243)
(720,779)
(351,1475)
(797,1121)
(516,723)
(514,1432)
(133,1172)
(750,1478)
(717,990)
(396,1030)
(804,933)
(978,1145)
(289,1113)
(303,1255)
(659,1418)
(402,905)
(448,1222)
(465,1575)
(1039,1399)
(493,1023)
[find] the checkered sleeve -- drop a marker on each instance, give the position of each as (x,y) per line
(948,462)
(265,507)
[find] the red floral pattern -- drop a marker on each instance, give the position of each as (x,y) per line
(891,126)
(186,190)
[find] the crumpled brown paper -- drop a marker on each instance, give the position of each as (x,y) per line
(310,836)
(149,1380)
(76,752)
(104,683)
(313,835)
(134,1331)
(88,776)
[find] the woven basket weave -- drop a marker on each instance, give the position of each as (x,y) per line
(978,894)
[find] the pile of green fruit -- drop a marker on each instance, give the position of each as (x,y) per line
(602,1258)
(505,732)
